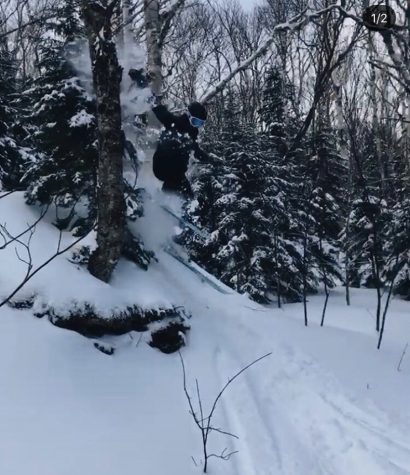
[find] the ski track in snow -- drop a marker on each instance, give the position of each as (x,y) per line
(307,425)
(264,439)
(318,432)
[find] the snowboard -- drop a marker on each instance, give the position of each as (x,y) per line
(172,251)
(183,222)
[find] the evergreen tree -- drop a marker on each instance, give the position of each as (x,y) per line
(12,155)
(326,173)
(228,206)
(243,202)
(64,125)
(239,244)
(365,236)
(397,247)
(275,115)
(368,219)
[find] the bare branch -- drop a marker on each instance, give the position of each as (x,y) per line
(204,423)
(31,273)
(32,226)
(295,23)
(166,20)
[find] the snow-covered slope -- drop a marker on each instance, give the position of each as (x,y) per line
(325,402)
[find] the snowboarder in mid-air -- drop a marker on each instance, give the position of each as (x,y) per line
(177,141)
(170,161)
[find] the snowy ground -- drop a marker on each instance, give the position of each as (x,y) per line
(326,402)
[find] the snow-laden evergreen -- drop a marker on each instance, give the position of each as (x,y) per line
(13,156)
(298,157)
(397,244)
(274,214)
(63,126)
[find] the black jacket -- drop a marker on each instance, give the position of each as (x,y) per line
(171,158)
(179,123)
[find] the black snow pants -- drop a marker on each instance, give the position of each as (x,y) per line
(170,162)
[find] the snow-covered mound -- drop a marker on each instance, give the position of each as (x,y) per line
(326,402)
(61,282)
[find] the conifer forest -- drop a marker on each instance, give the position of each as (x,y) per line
(209,174)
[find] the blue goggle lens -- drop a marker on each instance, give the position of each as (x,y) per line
(195,122)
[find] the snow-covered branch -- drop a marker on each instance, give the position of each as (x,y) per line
(166,19)
(296,23)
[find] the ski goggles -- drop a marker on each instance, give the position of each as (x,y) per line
(195,122)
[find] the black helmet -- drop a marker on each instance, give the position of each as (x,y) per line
(196,109)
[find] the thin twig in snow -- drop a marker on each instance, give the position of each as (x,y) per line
(204,423)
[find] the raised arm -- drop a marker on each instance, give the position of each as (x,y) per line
(164,116)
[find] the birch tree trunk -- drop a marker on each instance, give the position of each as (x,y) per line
(107,78)
(153,29)
(406,141)
(375,99)
(127,29)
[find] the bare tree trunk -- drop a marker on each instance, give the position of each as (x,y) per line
(406,135)
(117,25)
(386,306)
(327,293)
(153,29)
(305,264)
(107,78)
(376,276)
(384,316)
(347,293)
(278,283)
(127,29)
(325,305)
(347,235)
(375,116)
